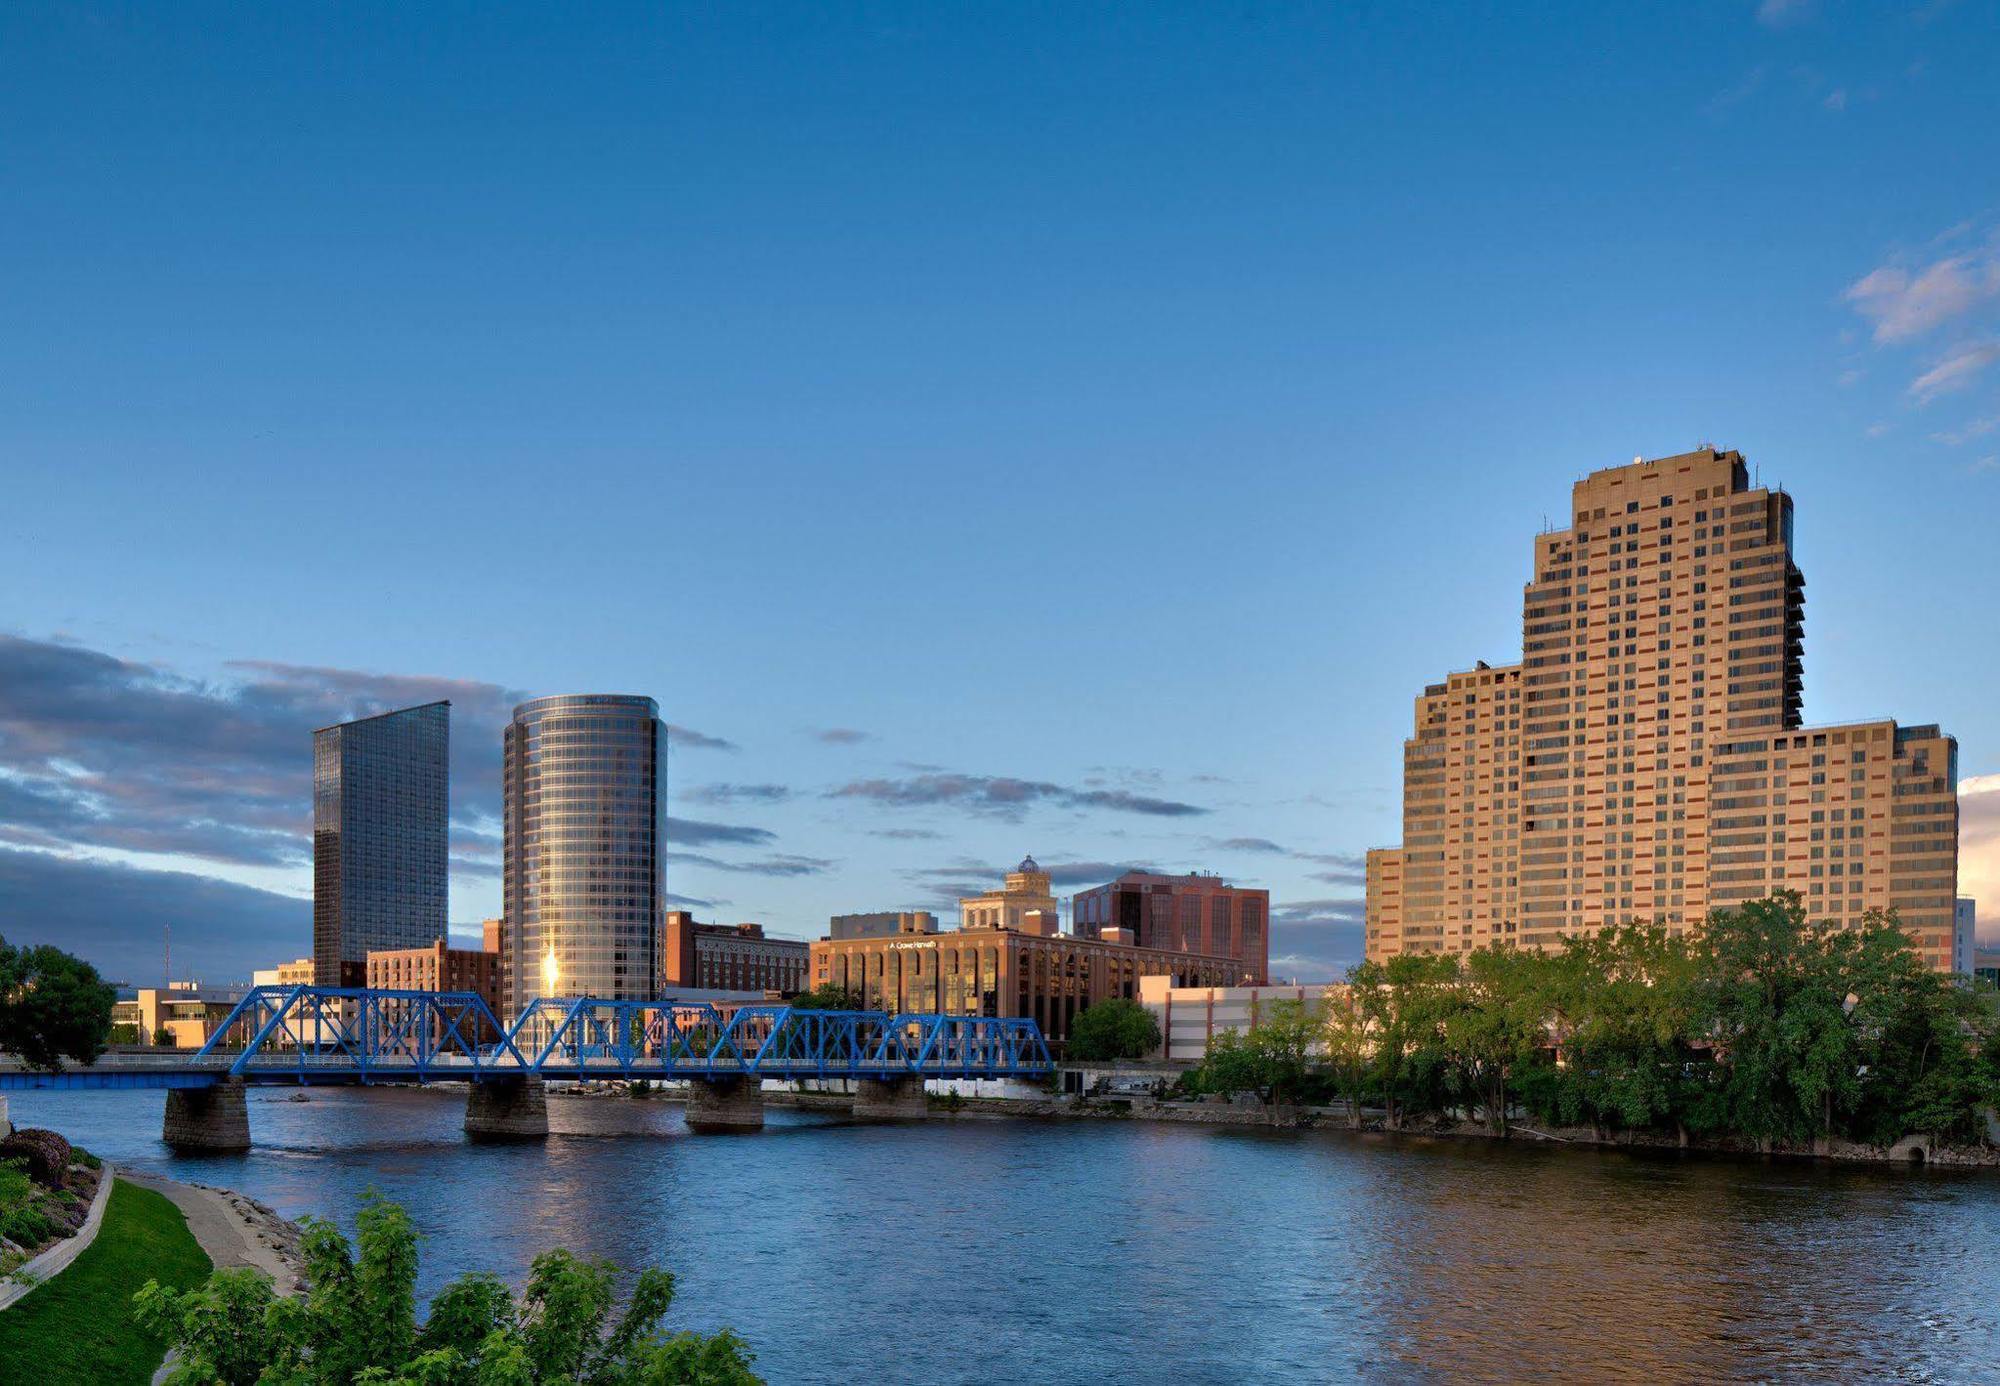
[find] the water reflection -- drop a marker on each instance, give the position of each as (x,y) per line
(977,1250)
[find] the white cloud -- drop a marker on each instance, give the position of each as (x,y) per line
(1955,370)
(1965,433)
(1903,305)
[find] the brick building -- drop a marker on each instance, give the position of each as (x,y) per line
(1005,969)
(731,957)
(440,967)
(1194,913)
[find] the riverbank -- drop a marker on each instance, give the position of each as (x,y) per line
(78,1327)
(1912,1151)
(234,1229)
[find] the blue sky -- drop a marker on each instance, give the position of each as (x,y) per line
(1109,417)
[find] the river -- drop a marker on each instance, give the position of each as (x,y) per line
(987,1250)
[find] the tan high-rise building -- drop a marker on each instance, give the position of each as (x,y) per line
(1644,761)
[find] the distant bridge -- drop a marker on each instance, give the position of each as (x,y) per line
(350,1035)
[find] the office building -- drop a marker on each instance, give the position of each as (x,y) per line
(380,804)
(183,1015)
(730,957)
(882,924)
(1005,969)
(1964,936)
(583,876)
(1194,913)
(1645,761)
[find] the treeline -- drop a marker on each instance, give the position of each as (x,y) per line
(1760,1027)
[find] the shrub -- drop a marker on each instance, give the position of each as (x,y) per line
(44,1154)
(358,1322)
(15,1186)
(28,1226)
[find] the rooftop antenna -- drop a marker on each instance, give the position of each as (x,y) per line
(167,932)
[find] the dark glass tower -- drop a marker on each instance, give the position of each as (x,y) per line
(584,867)
(380,801)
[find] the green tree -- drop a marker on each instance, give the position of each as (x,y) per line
(357,1323)
(828,996)
(1275,1058)
(1778,989)
(52,1006)
(1349,1037)
(1496,1026)
(1932,1044)
(1624,1012)
(1114,1028)
(1407,1015)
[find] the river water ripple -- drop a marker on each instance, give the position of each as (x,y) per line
(982,1250)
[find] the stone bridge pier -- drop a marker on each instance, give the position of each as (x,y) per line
(725,1105)
(207,1120)
(889,1099)
(507,1109)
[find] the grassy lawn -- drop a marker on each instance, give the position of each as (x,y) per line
(78,1327)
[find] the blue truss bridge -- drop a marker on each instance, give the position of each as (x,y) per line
(346,1035)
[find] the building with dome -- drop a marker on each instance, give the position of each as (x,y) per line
(1025,903)
(1009,958)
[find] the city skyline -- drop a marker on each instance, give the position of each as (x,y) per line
(1100,483)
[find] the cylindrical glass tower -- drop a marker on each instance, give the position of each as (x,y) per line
(584,875)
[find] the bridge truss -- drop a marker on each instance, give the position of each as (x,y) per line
(306,1034)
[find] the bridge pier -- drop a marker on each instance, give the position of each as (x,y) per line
(507,1109)
(207,1120)
(889,1099)
(724,1105)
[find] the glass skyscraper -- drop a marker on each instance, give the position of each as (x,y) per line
(584,873)
(380,804)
